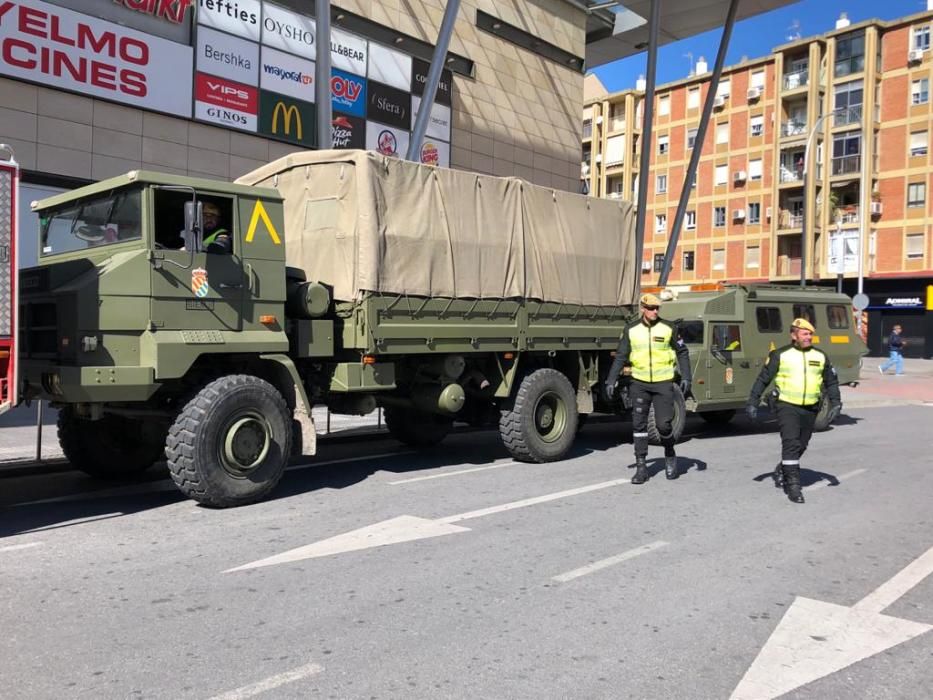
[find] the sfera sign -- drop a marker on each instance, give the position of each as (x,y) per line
(389,106)
(56,47)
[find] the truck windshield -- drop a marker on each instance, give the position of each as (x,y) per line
(91,223)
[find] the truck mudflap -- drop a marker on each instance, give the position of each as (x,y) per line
(9,278)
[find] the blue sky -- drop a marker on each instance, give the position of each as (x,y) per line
(754,37)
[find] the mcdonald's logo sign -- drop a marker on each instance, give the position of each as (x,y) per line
(287,119)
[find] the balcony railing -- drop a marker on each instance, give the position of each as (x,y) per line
(788,266)
(844,165)
(617,123)
(791,174)
(848,214)
(852,115)
(788,221)
(795,80)
(587,130)
(793,127)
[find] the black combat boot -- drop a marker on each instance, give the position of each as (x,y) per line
(641,471)
(670,464)
(778,476)
(792,482)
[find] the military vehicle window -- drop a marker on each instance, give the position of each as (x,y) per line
(727,338)
(91,223)
(838,316)
(805,311)
(769,319)
(170,217)
(691,332)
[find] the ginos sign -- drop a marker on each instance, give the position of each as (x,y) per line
(58,47)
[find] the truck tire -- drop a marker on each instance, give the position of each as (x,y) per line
(541,424)
(678,423)
(230,443)
(718,418)
(416,428)
(113,447)
(821,423)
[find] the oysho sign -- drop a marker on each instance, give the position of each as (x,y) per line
(57,47)
(287,30)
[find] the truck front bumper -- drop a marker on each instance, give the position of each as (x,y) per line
(68,384)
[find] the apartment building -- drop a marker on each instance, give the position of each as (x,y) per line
(758,211)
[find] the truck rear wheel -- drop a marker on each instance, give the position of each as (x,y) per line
(678,423)
(229,445)
(112,447)
(541,423)
(416,428)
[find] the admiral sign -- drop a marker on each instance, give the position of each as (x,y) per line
(225,102)
(348,93)
(240,17)
(56,47)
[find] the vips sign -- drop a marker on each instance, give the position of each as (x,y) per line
(287,119)
(54,46)
(225,102)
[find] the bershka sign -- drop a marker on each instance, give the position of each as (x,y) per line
(56,47)
(227,56)
(225,102)
(240,17)
(285,74)
(287,30)
(348,93)
(389,106)
(170,10)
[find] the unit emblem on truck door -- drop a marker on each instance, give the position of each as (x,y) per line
(199,282)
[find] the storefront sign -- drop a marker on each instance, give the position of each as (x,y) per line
(288,31)
(170,10)
(389,67)
(439,121)
(286,74)
(419,76)
(389,106)
(227,56)
(435,153)
(240,17)
(347,52)
(387,140)
(224,102)
(348,93)
(348,131)
(904,302)
(169,19)
(60,48)
(287,119)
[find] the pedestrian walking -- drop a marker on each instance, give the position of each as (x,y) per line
(801,374)
(896,345)
(651,348)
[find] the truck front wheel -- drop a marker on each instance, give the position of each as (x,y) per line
(230,443)
(541,423)
(416,428)
(112,447)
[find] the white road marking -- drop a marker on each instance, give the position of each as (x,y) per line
(609,561)
(17,547)
(815,639)
(347,460)
(271,683)
(824,484)
(76,521)
(406,528)
(456,473)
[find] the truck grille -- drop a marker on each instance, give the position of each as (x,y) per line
(39,329)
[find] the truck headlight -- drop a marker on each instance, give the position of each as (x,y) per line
(52,383)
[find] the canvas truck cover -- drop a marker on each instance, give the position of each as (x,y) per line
(363,222)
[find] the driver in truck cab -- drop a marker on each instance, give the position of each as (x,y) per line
(216,237)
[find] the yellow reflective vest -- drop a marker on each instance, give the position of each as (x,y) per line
(651,351)
(799,377)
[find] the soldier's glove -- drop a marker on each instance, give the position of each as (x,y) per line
(610,389)
(685,387)
(834,412)
(751,411)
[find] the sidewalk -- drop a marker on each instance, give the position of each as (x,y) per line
(874,389)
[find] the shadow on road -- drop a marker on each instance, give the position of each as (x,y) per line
(808,477)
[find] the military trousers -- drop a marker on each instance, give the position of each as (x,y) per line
(644,395)
(796,424)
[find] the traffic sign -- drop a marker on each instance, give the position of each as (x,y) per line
(860,302)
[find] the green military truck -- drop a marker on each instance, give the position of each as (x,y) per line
(354,281)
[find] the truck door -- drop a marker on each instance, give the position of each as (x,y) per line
(263,246)
(731,371)
(9,278)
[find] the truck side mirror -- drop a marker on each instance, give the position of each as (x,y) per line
(194,225)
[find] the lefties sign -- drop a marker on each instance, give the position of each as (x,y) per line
(225,102)
(54,46)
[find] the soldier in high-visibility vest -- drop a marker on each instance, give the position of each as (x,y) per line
(801,374)
(216,237)
(651,348)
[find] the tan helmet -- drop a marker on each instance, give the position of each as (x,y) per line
(649,300)
(803,324)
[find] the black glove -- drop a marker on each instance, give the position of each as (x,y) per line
(610,389)
(685,387)
(751,410)
(834,412)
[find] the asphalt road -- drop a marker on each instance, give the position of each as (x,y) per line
(515,580)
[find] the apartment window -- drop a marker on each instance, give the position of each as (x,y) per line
(754,169)
(691,137)
(754,212)
(660,223)
(660,184)
(914,246)
(919,143)
(664,105)
(920,91)
(722,133)
(751,256)
(719,258)
(688,260)
(722,90)
(658,262)
(722,174)
(850,54)
(922,37)
(664,144)
(587,128)
(757,125)
(719,216)
(758,79)
(693,98)
(691,222)
(848,99)
(847,151)
(916,194)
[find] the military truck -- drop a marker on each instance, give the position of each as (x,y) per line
(354,281)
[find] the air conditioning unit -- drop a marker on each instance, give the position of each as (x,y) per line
(876,208)
(768,213)
(739,176)
(914,56)
(754,93)
(720,101)
(598,158)
(738,213)
(646,266)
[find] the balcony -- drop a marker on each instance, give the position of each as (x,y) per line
(795,80)
(788,221)
(617,123)
(848,214)
(788,266)
(793,127)
(791,174)
(587,130)
(847,165)
(852,115)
